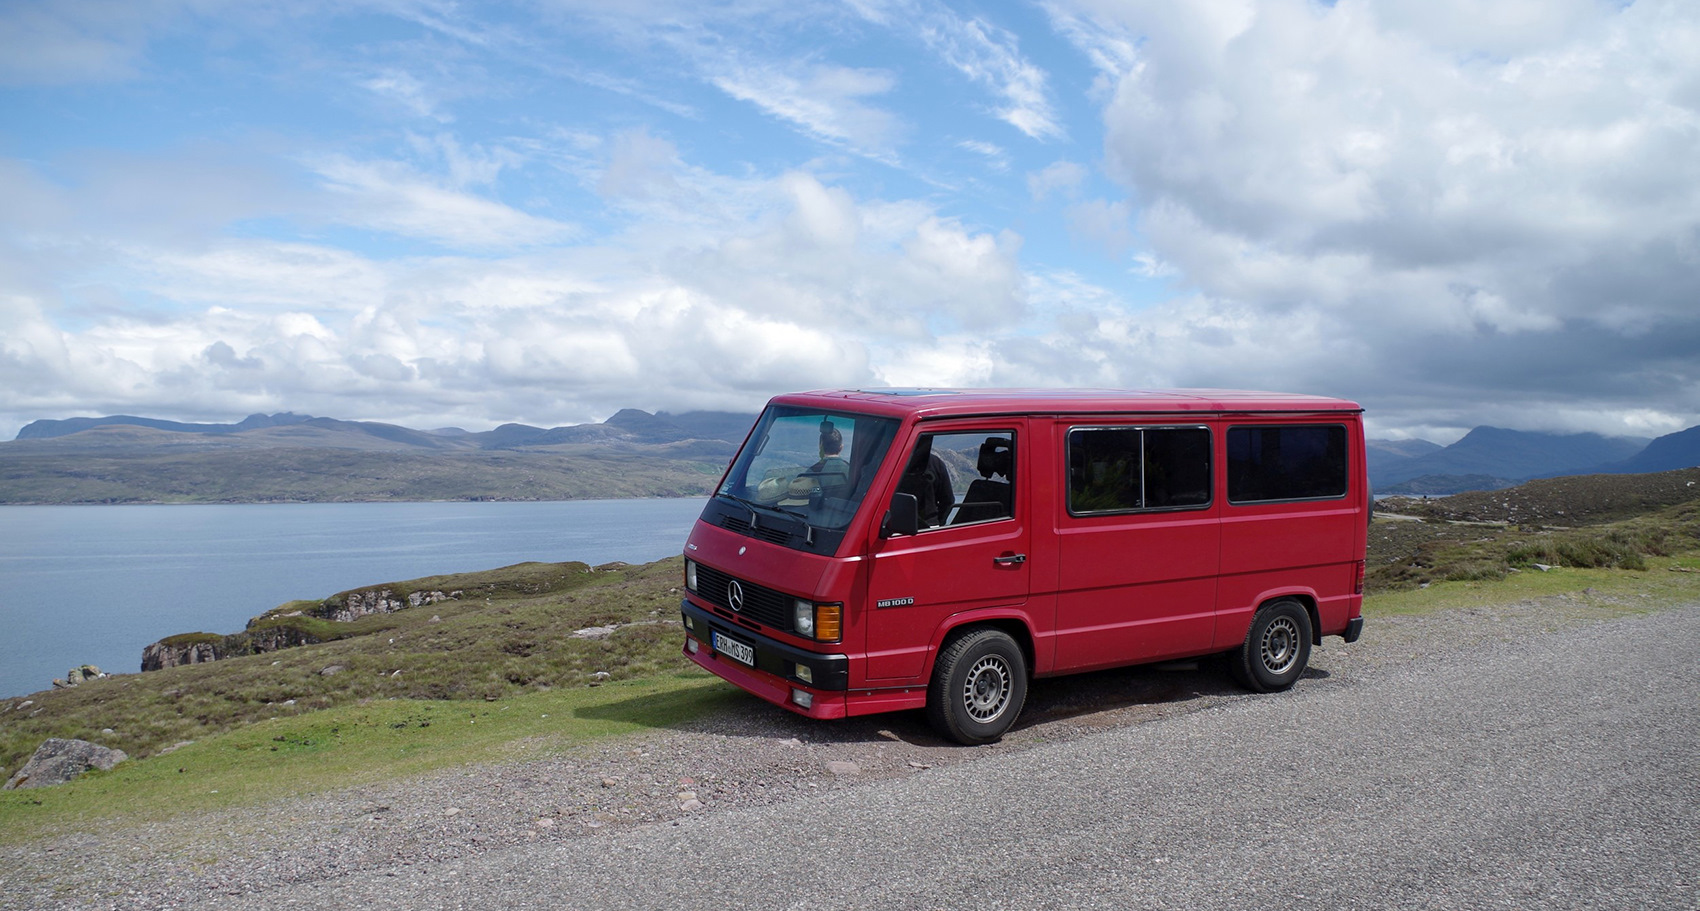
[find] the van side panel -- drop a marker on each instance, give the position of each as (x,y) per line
(1308,548)
(1140,587)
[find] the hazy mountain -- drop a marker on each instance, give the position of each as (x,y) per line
(43,430)
(1667,453)
(1514,455)
(293,458)
(1385,455)
(287,430)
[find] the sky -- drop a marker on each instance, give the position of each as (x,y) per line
(465,214)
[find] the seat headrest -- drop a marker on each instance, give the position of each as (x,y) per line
(997,456)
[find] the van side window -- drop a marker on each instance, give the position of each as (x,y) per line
(1293,462)
(962,478)
(1119,469)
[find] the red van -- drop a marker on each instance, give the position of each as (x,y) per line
(876,550)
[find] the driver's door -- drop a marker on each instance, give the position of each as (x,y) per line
(972,555)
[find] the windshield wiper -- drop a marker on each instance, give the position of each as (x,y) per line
(753,507)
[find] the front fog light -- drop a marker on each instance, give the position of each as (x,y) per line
(803,700)
(803,618)
(691,645)
(805,673)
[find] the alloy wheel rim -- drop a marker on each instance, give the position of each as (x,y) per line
(1280,645)
(986,688)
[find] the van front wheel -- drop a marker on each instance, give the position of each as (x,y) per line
(979,686)
(1276,649)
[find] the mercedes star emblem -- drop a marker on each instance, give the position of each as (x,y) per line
(735,595)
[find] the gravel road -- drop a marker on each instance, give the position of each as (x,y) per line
(1530,756)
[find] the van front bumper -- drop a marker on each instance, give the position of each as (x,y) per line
(778,670)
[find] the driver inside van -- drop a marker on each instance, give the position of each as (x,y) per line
(829,477)
(832,472)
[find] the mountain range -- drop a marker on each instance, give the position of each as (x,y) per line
(295,457)
(1487,458)
(290,457)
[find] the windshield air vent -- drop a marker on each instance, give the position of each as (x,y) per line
(760,532)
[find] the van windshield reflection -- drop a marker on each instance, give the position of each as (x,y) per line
(812,464)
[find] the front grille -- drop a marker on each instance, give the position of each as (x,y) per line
(759,532)
(761,604)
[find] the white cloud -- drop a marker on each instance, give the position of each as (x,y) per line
(826,100)
(1401,202)
(54,42)
(798,285)
(995,156)
(389,196)
(1104,224)
(981,51)
(406,90)
(1064,177)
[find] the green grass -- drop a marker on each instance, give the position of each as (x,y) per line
(510,634)
(1492,553)
(357,744)
(1664,581)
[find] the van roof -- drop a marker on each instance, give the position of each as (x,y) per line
(962,402)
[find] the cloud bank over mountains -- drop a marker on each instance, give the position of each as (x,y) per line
(433,214)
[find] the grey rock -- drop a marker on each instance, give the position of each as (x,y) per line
(159,656)
(331,669)
(843,768)
(57,761)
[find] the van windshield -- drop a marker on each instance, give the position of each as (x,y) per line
(813,464)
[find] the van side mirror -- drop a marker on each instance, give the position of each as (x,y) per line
(904,516)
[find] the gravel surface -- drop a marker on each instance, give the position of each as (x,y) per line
(579,813)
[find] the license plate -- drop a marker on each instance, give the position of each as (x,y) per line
(737,651)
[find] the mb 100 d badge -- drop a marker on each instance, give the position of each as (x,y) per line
(894,602)
(734,595)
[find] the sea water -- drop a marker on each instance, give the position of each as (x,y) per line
(95,584)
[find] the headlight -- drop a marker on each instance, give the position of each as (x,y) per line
(820,622)
(690,575)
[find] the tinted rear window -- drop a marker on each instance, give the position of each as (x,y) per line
(1293,462)
(1120,469)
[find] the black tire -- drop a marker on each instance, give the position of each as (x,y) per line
(979,686)
(1276,649)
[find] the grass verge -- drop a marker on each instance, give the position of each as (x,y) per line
(354,745)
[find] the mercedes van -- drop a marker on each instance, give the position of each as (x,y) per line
(886,549)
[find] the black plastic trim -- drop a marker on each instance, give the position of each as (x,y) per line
(1354,629)
(830,672)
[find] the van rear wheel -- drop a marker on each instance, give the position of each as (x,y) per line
(979,686)
(1276,649)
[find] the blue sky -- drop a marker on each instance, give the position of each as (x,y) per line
(465,214)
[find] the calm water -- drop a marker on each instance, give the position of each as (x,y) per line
(94,584)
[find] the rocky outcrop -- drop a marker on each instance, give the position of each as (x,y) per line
(271,638)
(57,761)
(354,605)
(294,624)
(192,648)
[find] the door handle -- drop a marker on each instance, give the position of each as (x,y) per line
(1010,559)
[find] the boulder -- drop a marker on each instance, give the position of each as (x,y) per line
(57,761)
